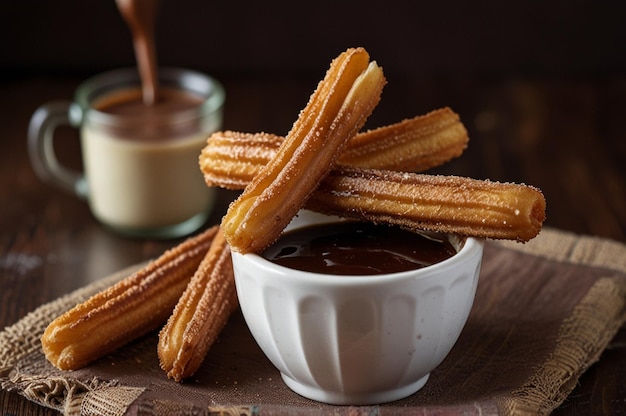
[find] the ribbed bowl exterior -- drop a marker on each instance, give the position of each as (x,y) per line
(357,339)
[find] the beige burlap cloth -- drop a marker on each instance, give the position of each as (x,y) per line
(543,313)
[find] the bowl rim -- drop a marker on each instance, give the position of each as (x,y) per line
(469,249)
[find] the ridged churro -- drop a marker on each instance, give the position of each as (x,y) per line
(200,314)
(336,111)
(231,159)
(450,204)
(133,307)
(414,144)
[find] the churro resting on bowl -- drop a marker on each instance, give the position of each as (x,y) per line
(336,111)
(449,204)
(231,159)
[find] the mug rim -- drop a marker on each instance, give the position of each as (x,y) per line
(210,89)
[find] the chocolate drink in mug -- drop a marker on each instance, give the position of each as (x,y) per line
(158,147)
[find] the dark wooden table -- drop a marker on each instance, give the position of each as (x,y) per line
(565,136)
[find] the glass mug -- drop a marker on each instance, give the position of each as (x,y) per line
(141,176)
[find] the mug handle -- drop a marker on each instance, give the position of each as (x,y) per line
(41,149)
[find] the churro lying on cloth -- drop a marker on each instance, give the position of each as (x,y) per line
(134,306)
(231,159)
(336,111)
(200,314)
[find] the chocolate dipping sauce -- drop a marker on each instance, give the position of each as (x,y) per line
(356,248)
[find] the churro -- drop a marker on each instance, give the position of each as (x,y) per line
(231,159)
(451,204)
(133,307)
(414,144)
(200,314)
(336,111)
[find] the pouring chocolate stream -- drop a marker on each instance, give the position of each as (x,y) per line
(140,15)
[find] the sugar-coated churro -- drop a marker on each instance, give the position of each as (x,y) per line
(231,159)
(335,112)
(451,204)
(133,307)
(413,145)
(200,314)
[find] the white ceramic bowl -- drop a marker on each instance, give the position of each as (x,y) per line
(357,340)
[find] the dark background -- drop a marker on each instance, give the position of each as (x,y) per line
(410,38)
(429,50)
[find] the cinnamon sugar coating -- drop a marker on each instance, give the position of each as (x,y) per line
(336,111)
(450,204)
(200,314)
(133,307)
(232,159)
